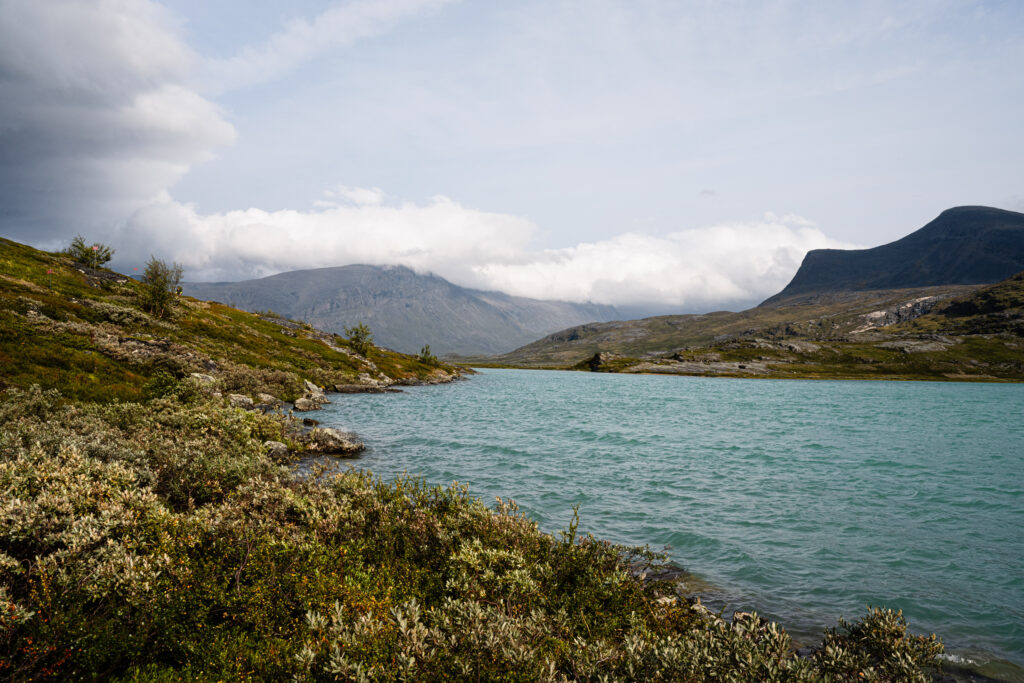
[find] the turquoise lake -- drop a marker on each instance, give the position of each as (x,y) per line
(802,500)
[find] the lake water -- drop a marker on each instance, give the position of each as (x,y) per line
(802,500)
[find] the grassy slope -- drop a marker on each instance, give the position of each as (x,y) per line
(81,331)
(971,333)
(803,316)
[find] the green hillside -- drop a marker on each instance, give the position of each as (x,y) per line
(934,333)
(83,331)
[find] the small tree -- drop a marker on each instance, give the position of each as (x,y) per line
(159,286)
(426,357)
(94,255)
(360,338)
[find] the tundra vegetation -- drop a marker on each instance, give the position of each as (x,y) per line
(150,530)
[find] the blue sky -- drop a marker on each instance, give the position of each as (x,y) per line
(684,154)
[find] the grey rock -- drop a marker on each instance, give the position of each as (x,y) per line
(304,404)
(801,346)
(328,441)
(269,400)
(275,449)
(359,389)
(240,401)
(915,345)
(602,359)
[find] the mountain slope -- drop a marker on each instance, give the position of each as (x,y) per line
(965,245)
(836,294)
(403,309)
(825,316)
(924,334)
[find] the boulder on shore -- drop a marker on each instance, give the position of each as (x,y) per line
(329,441)
(304,404)
(240,401)
(601,360)
(314,393)
(276,449)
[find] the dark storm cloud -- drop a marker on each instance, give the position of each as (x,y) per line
(96,116)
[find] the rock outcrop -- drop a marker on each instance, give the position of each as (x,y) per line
(305,404)
(240,401)
(329,441)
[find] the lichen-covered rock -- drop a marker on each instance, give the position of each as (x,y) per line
(276,449)
(240,401)
(304,404)
(314,393)
(269,400)
(330,441)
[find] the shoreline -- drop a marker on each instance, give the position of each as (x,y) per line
(961,379)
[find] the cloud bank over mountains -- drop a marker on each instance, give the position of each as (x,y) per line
(102,111)
(693,269)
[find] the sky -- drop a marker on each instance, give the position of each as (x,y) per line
(679,155)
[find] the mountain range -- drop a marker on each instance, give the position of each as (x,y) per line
(835,295)
(963,248)
(404,309)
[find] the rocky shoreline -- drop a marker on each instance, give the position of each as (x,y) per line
(305,435)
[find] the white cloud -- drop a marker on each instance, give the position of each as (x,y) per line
(302,40)
(441,236)
(99,118)
(702,268)
(710,267)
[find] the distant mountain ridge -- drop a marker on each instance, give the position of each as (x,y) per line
(966,245)
(404,310)
(835,294)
